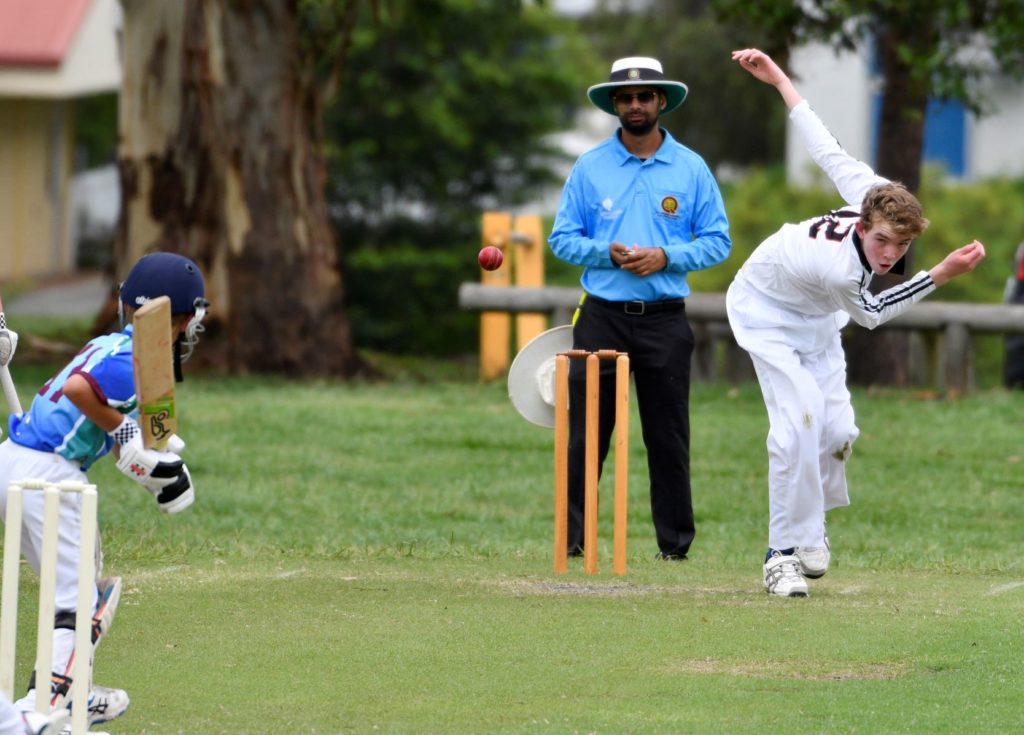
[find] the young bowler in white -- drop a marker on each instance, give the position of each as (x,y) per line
(786,307)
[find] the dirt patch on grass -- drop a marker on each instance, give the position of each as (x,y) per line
(813,671)
(617,589)
(582,588)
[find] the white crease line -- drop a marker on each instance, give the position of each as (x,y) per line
(163,572)
(1005,588)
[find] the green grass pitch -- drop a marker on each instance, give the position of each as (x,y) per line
(377,558)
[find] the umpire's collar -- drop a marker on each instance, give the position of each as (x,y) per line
(665,152)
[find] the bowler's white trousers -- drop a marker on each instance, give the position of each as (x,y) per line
(21,463)
(801,367)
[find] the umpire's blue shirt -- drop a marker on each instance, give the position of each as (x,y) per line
(671,201)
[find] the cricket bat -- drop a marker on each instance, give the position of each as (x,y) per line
(10,393)
(153,364)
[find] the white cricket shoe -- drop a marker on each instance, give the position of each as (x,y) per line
(782,576)
(814,559)
(105,704)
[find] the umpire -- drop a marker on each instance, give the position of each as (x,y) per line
(639,211)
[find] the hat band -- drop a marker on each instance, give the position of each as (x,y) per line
(635,75)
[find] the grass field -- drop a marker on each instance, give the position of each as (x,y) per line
(377,558)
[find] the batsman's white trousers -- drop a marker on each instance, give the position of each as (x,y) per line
(801,367)
(21,463)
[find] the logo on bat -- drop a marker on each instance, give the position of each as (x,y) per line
(156,424)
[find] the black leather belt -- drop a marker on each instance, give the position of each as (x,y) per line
(638,308)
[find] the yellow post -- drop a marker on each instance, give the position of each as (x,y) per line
(495,326)
(528,260)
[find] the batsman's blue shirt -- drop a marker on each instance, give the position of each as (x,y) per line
(671,201)
(54,424)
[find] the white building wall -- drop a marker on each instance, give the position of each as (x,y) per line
(839,89)
(995,143)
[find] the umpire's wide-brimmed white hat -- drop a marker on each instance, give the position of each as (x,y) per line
(634,71)
(531,379)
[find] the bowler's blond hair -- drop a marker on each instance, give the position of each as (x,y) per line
(893,204)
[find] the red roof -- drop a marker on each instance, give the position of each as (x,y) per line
(38,32)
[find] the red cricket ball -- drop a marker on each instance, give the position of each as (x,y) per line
(490,258)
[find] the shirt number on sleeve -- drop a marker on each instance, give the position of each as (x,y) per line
(80,359)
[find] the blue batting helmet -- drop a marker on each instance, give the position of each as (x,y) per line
(165,274)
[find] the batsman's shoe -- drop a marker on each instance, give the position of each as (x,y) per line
(814,559)
(106,704)
(782,576)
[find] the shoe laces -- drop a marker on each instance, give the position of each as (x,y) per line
(788,568)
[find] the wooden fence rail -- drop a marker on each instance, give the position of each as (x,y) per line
(942,330)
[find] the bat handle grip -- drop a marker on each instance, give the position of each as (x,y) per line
(10,394)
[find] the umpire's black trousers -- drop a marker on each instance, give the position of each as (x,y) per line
(659,341)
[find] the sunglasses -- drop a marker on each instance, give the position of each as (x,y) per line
(644,98)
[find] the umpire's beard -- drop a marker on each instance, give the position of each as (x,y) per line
(638,128)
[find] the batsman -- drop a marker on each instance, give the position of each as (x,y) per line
(90,409)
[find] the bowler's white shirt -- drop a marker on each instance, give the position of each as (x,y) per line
(817,267)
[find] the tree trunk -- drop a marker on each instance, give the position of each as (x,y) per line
(882,358)
(220,160)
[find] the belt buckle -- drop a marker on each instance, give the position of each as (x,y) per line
(636,308)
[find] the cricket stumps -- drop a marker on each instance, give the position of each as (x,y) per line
(592,407)
(82,667)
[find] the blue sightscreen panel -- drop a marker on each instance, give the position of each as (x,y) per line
(945,134)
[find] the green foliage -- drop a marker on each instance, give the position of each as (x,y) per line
(401,290)
(96,129)
(442,112)
(988,211)
(443,103)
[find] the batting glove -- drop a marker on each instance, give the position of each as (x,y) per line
(8,344)
(8,341)
(177,496)
(149,467)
